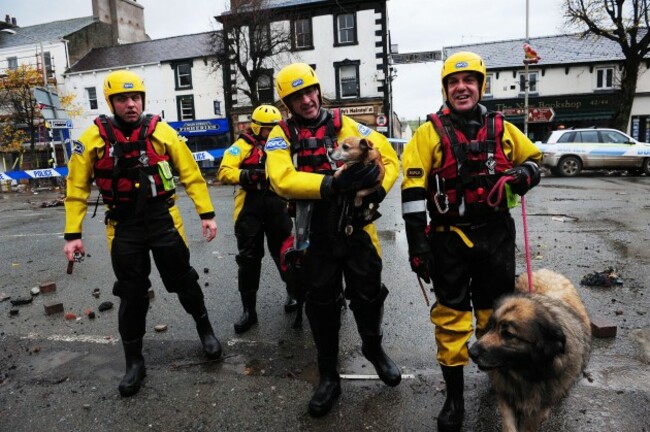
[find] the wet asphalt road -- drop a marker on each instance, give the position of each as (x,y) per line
(59,375)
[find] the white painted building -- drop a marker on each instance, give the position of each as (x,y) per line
(347,43)
(182,85)
(578,78)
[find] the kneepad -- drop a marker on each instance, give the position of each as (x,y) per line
(183,283)
(135,289)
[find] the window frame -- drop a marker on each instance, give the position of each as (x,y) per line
(339,85)
(489,82)
(266,28)
(337,30)
(14,60)
(295,34)
(269,95)
(179,107)
(531,82)
(604,78)
(93,103)
(178,75)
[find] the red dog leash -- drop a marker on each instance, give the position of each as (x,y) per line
(498,189)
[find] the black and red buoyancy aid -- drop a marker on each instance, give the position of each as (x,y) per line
(469,169)
(256,160)
(128,170)
(311,147)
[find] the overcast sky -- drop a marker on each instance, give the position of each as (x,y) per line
(415,25)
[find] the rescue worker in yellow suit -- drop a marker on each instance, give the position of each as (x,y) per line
(131,157)
(258,212)
(450,166)
(335,252)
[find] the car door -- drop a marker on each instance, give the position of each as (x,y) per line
(593,154)
(616,150)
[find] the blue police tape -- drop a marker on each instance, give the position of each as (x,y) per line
(63,171)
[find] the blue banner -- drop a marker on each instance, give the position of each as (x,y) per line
(201,127)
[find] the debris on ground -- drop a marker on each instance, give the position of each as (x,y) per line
(605,278)
(54,203)
(105,306)
(21,301)
(96,293)
(35,291)
(160,328)
(53,308)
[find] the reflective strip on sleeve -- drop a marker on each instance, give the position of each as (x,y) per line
(414,207)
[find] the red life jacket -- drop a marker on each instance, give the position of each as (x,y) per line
(469,169)
(255,160)
(311,148)
(128,171)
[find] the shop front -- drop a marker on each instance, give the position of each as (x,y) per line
(207,139)
(593,110)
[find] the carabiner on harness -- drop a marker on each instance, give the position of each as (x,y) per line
(441,196)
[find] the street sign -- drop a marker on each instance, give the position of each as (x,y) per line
(382,128)
(381,120)
(511,112)
(540,115)
(416,57)
(58,124)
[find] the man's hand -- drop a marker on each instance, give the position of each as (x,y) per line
(72,246)
(209,227)
(356,177)
(525,177)
(250,177)
(422,265)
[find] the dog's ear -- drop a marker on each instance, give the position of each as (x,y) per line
(554,339)
(364,144)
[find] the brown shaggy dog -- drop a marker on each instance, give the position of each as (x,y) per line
(534,349)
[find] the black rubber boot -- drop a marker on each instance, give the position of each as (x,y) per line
(290,304)
(368,317)
(329,387)
(211,345)
(135,370)
(249,317)
(325,322)
(450,418)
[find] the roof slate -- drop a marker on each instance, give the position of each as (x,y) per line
(553,50)
(153,51)
(51,31)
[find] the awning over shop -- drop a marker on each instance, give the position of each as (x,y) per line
(206,127)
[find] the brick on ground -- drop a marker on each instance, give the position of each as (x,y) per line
(52,308)
(601,327)
(47,287)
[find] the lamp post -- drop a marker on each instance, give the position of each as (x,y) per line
(40,45)
(526,81)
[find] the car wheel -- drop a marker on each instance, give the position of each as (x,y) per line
(569,166)
(646,166)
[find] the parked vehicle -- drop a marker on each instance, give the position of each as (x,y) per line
(567,152)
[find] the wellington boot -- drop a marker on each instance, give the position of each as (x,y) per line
(450,418)
(135,370)
(247,320)
(211,345)
(328,390)
(290,304)
(386,368)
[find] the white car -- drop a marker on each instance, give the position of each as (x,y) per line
(567,152)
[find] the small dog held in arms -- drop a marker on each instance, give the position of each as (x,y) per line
(534,349)
(353,150)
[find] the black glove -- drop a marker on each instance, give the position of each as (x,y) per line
(250,177)
(525,177)
(422,265)
(375,197)
(356,177)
